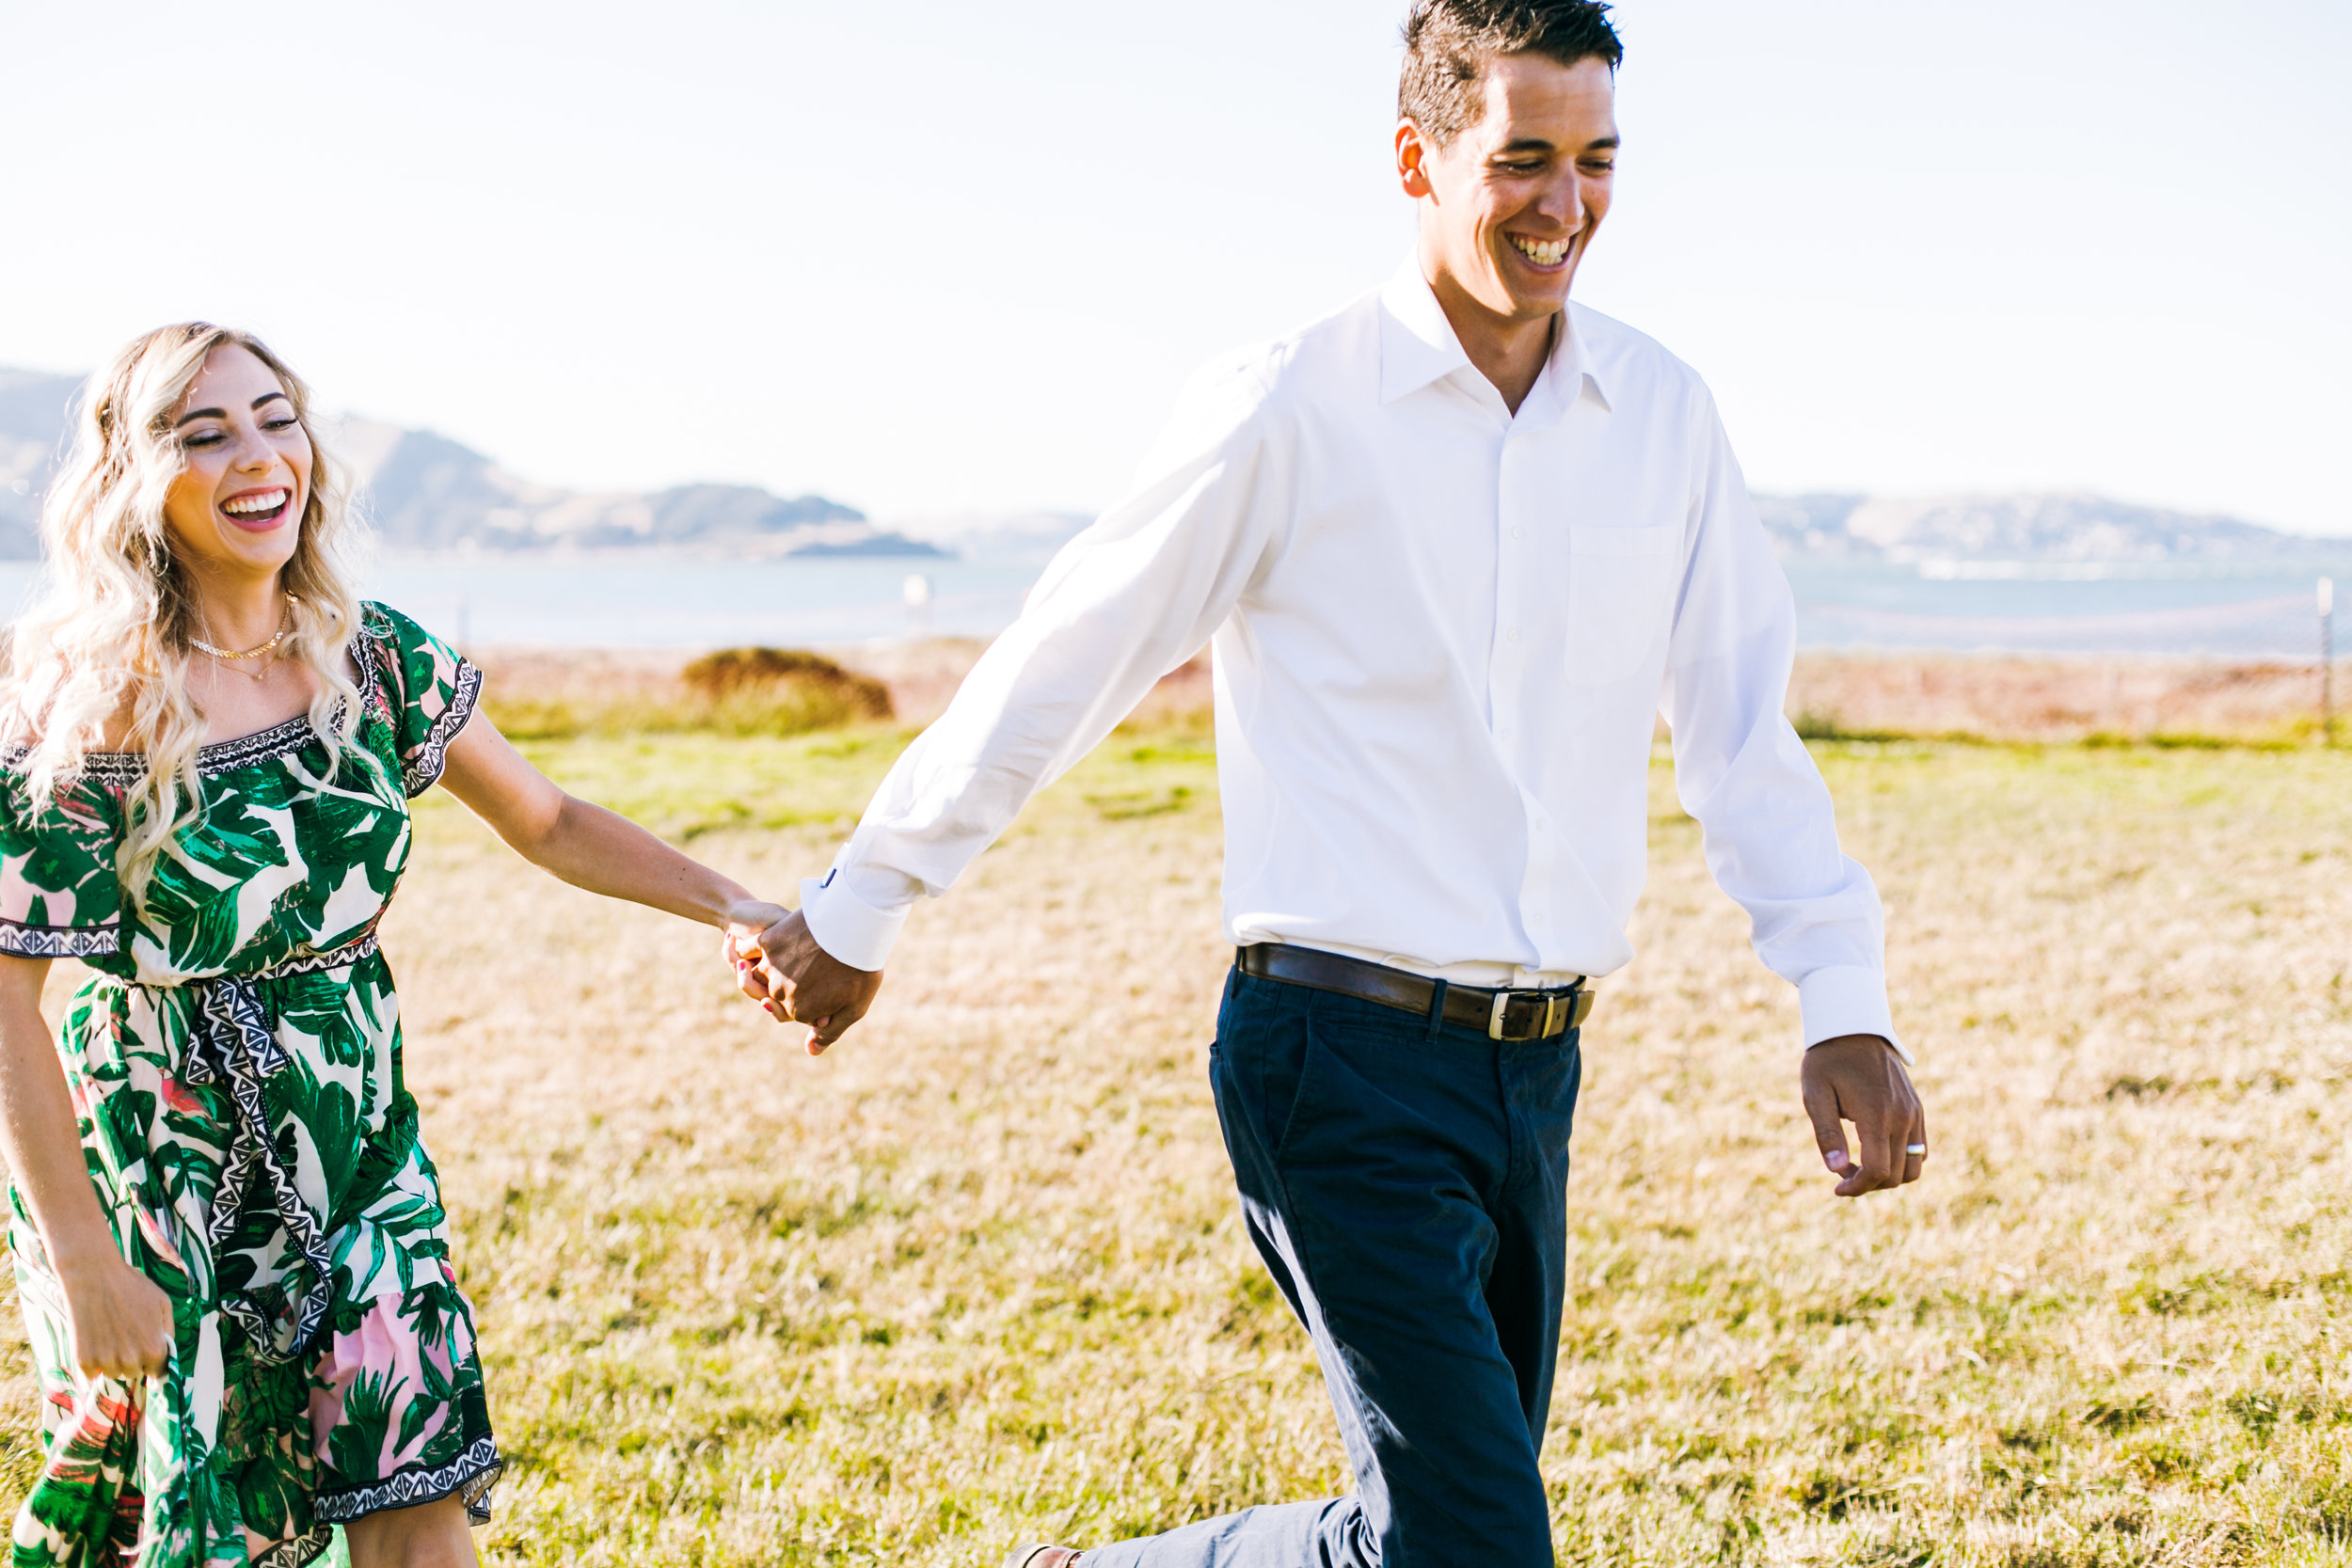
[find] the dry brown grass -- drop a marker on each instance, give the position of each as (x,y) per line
(2003,697)
(557,693)
(1992,697)
(564,695)
(977,1273)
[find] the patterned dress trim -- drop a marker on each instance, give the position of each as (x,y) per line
(59,942)
(121,769)
(298,1553)
(232,1042)
(422,769)
(470,1476)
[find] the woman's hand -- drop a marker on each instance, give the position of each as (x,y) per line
(747,918)
(797,981)
(120,1320)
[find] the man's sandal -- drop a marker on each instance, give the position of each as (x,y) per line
(1036,1555)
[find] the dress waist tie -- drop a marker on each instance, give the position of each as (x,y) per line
(232,1042)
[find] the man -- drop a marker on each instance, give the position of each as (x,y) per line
(1454,548)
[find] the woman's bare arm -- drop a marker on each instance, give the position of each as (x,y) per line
(120,1321)
(585,844)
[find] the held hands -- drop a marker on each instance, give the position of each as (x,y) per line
(1858,1078)
(780,966)
(119,1320)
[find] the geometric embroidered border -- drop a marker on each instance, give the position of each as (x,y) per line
(471,1474)
(302,1549)
(421,768)
(318,963)
(232,1039)
(121,769)
(60,941)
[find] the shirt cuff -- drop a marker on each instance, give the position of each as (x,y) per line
(1847,999)
(845,926)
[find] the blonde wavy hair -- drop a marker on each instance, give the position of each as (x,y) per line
(112,629)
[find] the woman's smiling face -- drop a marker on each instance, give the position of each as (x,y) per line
(244,475)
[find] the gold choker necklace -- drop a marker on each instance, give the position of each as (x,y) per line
(263,652)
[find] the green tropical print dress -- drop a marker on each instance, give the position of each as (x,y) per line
(235,1068)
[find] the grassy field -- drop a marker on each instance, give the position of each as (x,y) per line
(977,1273)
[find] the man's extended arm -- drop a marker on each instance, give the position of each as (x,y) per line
(1124,603)
(1770,832)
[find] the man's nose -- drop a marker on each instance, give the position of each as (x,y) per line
(1563,203)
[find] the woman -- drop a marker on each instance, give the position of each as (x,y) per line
(230,1240)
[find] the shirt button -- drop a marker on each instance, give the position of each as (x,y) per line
(1516,532)
(1511,636)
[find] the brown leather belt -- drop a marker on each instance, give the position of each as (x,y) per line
(1502,1015)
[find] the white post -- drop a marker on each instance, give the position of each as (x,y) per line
(917,593)
(2328,661)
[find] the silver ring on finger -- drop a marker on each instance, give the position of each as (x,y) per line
(1915,1148)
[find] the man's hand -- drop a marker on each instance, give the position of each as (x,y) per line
(1858,1078)
(784,970)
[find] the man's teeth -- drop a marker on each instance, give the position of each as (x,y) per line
(268,501)
(1544,253)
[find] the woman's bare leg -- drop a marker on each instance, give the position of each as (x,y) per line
(430,1535)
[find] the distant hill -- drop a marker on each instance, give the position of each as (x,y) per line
(32,423)
(2027,527)
(426,492)
(422,491)
(1005,538)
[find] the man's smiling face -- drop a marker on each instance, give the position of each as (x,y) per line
(1509,207)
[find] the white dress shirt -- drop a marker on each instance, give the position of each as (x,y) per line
(1441,632)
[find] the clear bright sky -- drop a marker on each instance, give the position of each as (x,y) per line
(937,257)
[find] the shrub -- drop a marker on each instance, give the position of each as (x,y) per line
(741,692)
(731,671)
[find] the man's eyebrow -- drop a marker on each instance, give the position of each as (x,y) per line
(221,413)
(1537,144)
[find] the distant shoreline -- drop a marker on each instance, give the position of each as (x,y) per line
(712,594)
(1833,695)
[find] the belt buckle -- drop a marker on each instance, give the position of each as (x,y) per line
(1502,1004)
(1557,1006)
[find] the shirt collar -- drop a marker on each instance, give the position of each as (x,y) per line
(1417,342)
(1418,345)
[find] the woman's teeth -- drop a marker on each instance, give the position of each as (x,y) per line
(268,501)
(1544,253)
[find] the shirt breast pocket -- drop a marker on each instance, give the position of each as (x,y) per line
(1621,585)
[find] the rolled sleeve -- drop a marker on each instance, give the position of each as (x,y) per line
(1847,999)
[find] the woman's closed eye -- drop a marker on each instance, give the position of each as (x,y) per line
(213,437)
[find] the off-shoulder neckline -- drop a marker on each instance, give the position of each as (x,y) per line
(223,756)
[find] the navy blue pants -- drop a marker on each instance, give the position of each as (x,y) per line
(1405,1180)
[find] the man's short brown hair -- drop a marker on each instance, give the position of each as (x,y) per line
(1448,44)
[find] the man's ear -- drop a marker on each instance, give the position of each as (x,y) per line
(1412,160)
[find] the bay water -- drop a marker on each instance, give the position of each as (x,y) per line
(647,599)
